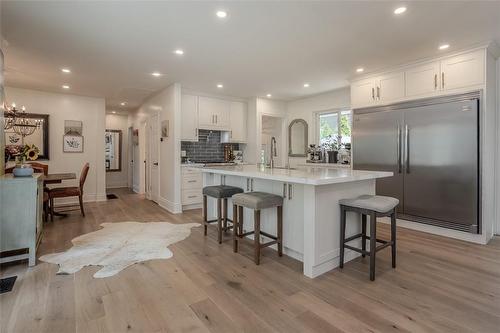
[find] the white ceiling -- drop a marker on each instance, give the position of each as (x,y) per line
(260,48)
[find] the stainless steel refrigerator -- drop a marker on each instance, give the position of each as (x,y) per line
(432,147)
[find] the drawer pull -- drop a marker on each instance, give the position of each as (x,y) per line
(192,181)
(192,196)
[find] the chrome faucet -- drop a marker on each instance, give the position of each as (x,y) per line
(274,151)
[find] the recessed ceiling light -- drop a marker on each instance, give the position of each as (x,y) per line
(65,86)
(221,14)
(306,85)
(113,112)
(123,103)
(360,70)
(65,70)
(220,86)
(179,52)
(444,46)
(399,10)
(269,95)
(156,74)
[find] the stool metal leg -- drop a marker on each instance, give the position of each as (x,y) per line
(235,228)
(205,215)
(393,237)
(219,220)
(280,230)
(257,236)
(373,243)
(363,232)
(342,235)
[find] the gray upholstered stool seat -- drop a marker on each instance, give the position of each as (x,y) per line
(221,191)
(372,206)
(378,203)
(257,200)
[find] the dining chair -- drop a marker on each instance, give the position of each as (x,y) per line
(40,166)
(70,191)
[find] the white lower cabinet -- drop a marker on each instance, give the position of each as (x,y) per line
(191,186)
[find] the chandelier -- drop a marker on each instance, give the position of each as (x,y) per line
(19,121)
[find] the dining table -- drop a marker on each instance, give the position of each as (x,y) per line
(57,178)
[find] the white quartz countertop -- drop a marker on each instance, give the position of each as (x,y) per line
(299,175)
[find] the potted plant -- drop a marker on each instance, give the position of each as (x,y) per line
(332,145)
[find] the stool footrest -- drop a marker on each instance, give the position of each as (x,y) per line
(357,250)
(378,248)
(383,241)
(216,220)
(269,243)
(268,235)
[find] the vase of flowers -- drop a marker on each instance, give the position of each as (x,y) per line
(21,154)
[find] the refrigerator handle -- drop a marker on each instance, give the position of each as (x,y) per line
(400,162)
(407,149)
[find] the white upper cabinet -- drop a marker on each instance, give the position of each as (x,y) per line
(463,70)
(423,79)
(390,87)
(189,118)
(439,77)
(363,93)
(213,113)
(238,120)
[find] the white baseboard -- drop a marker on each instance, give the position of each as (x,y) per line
(116,186)
(87,197)
(172,207)
(435,230)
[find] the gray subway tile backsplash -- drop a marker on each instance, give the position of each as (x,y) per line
(208,147)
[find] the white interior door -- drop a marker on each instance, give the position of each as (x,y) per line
(154,137)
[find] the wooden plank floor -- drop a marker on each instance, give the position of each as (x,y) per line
(440,285)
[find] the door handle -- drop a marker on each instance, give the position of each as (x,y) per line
(407,150)
(400,162)
(435,81)
(442,80)
(373,93)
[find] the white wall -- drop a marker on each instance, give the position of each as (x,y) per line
(497,196)
(167,103)
(307,107)
(119,178)
(61,107)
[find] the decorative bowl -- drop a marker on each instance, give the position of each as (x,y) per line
(23,171)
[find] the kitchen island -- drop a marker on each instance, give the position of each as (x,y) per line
(311,212)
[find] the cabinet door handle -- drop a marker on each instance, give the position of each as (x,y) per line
(378,93)
(435,81)
(290,190)
(248,184)
(442,80)
(284,191)
(373,93)
(251,184)
(196,132)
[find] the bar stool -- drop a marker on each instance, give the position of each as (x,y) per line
(373,206)
(221,193)
(257,201)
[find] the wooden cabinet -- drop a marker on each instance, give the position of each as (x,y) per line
(463,70)
(363,93)
(21,225)
(237,124)
(191,186)
(382,89)
(213,113)
(189,118)
(423,79)
(390,87)
(433,78)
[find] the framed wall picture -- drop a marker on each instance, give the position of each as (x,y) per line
(72,143)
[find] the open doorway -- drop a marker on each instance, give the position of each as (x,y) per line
(273,127)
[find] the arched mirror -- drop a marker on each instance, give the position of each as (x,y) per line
(297,138)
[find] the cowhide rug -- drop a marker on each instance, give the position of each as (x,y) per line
(119,245)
